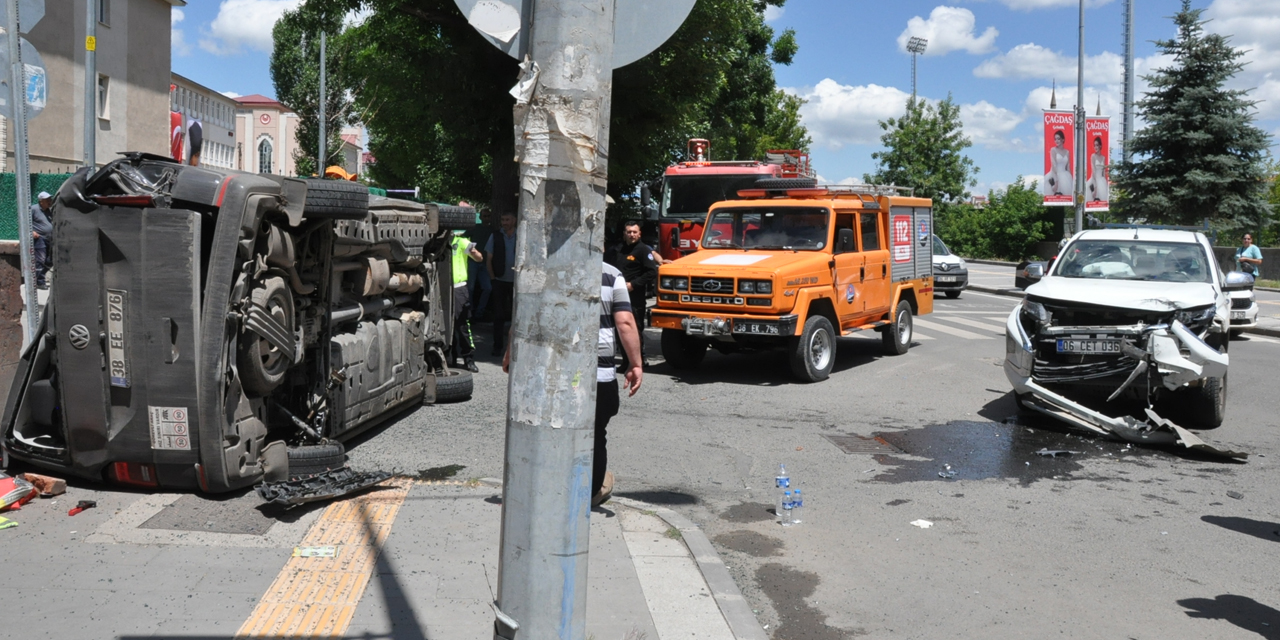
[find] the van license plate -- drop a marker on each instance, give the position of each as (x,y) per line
(758,328)
(118,362)
(1088,346)
(945,278)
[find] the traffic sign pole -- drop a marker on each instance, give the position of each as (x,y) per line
(91,84)
(22,170)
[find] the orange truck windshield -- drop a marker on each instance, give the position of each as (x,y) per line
(792,228)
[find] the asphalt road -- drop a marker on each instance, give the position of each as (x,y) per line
(1113,542)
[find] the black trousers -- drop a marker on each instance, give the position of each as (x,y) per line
(40,260)
(463,345)
(606,408)
(503,295)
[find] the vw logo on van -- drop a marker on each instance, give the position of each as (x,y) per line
(79,336)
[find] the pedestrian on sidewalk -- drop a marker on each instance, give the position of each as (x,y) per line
(617,324)
(634,259)
(464,346)
(42,236)
(478,275)
(1249,257)
(500,261)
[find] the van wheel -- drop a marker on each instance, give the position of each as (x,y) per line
(454,386)
(311,459)
(262,366)
(1209,403)
(951,295)
(813,354)
(336,199)
(681,351)
(897,336)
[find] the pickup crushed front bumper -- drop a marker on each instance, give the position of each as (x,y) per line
(1163,351)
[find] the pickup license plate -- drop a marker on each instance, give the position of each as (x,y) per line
(1088,346)
(1237,315)
(118,363)
(946,278)
(758,328)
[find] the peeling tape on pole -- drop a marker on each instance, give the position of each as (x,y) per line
(640,26)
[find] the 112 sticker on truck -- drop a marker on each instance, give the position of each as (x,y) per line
(901,238)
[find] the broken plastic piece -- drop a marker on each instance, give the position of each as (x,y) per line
(14,492)
(1053,453)
(947,473)
(923,524)
(6,523)
(321,486)
(81,506)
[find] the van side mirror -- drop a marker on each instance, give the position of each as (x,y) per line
(844,241)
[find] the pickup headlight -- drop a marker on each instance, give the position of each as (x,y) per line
(1195,317)
(674,283)
(755,286)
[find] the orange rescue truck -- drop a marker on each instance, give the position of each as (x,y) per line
(796,268)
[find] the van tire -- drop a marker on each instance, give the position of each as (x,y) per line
(813,354)
(261,368)
(308,460)
(681,351)
(455,218)
(951,295)
(786,183)
(454,386)
(897,336)
(336,199)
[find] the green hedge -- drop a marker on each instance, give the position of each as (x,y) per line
(50,182)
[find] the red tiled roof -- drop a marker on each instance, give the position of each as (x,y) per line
(259,100)
(351,139)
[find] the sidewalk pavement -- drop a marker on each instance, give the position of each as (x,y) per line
(411,560)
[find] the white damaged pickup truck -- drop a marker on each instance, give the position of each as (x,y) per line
(1134,313)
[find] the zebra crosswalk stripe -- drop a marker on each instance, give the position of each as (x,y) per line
(959,333)
(975,324)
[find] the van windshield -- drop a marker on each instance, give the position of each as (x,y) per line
(793,228)
(1134,260)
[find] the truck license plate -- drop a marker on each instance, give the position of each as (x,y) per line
(117,305)
(945,278)
(1088,346)
(1237,315)
(759,328)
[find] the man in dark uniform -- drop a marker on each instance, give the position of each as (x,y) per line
(635,260)
(42,236)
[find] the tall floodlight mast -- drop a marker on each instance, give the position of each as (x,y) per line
(915,46)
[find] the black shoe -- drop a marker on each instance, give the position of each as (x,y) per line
(471,366)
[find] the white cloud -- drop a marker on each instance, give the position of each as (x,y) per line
(244,24)
(230,94)
(991,126)
(1032,61)
(772,13)
(1267,96)
(851,180)
(1031,5)
(837,115)
(948,29)
(177,40)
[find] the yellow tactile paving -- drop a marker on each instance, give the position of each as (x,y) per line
(317,597)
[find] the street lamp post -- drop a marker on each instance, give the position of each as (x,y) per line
(915,46)
(1080,128)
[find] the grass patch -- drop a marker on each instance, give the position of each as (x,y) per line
(673,533)
(1268,283)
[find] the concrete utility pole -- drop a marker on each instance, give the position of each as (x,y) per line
(563,153)
(91,83)
(320,158)
(1081,136)
(1128,79)
(22,169)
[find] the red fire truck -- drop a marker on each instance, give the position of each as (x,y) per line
(689,189)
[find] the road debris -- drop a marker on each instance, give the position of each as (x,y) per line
(321,486)
(1235,494)
(47,486)
(948,472)
(81,506)
(315,552)
(923,524)
(6,523)
(1053,453)
(14,492)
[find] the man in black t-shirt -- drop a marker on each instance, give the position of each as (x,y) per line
(635,260)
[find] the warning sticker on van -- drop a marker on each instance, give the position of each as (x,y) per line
(170,428)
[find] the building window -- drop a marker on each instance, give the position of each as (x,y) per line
(104,97)
(265,155)
(104,12)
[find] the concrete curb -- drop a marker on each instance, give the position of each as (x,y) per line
(734,607)
(1018,293)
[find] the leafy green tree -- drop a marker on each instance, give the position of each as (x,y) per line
(434,96)
(1008,227)
(924,149)
(295,71)
(1200,154)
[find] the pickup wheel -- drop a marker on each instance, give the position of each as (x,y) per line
(1209,403)
(681,351)
(897,336)
(813,354)
(262,366)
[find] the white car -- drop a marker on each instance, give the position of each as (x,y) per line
(950,272)
(1131,312)
(1244,309)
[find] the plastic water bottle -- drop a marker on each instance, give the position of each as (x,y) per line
(783,481)
(787,505)
(797,507)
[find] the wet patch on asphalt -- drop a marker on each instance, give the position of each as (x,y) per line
(895,503)
(967,450)
(751,543)
(788,588)
(744,512)
(440,473)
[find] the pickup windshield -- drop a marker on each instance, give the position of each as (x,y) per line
(1134,260)
(794,228)
(691,197)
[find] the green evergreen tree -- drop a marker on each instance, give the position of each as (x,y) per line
(1200,155)
(924,149)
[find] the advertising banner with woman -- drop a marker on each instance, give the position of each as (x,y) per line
(1097,186)
(1059,161)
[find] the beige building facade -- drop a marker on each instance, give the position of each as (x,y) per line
(132,84)
(267,132)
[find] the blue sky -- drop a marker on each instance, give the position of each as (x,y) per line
(997,58)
